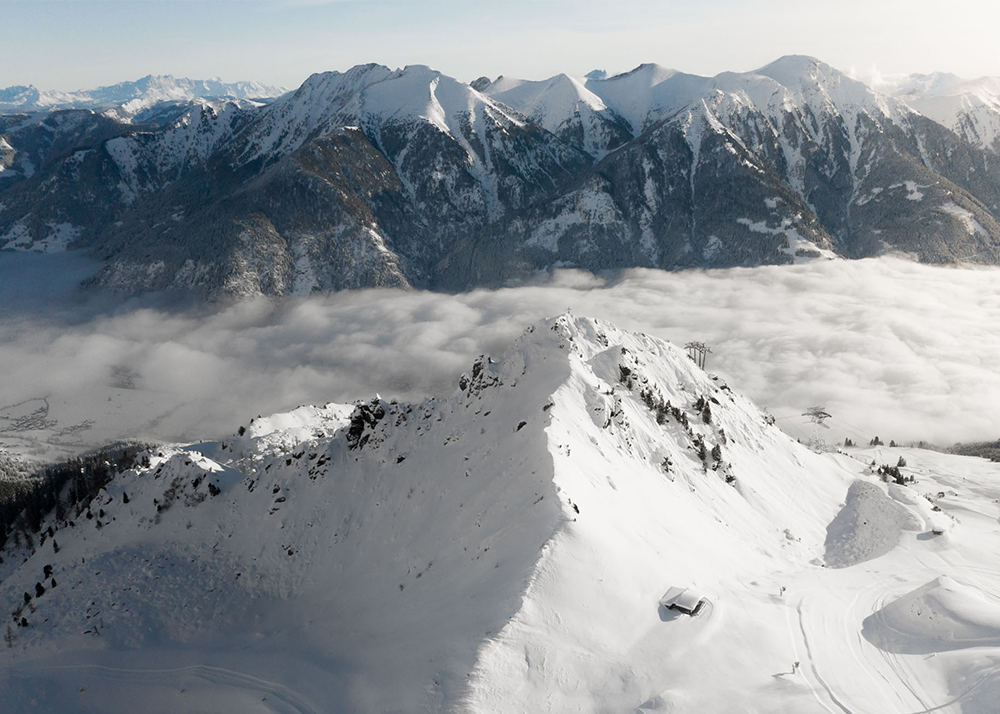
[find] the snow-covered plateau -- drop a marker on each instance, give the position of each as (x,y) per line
(505,549)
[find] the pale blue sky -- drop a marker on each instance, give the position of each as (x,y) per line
(76,44)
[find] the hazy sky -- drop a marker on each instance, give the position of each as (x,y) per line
(76,44)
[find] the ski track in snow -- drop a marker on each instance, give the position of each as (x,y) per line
(295,703)
(815,671)
(903,678)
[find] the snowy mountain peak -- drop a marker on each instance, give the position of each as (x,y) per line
(792,70)
(414,92)
(647,73)
(420,69)
(153,88)
(358,75)
(508,545)
(127,99)
(986,89)
(564,106)
(651,92)
(648,398)
(19,95)
(408,113)
(414,173)
(970,108)
(814,82)
(915,84)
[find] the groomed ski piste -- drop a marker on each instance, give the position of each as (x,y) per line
(505,550)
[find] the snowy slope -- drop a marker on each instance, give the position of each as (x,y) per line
(504,550)
(395,107)
(185,143)
(969,108)
(564,106)
(795,101)
(362,95)
(650,93)
(645,94)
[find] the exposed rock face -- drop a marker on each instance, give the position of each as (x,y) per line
(379,177)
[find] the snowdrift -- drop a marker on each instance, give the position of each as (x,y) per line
(869,525)
(941,615)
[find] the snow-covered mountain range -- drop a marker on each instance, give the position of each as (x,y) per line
(505,550)
(409,177)
(132,101)
(970,108)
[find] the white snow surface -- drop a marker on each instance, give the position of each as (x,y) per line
(557,104)
(57,238)
(970,108)
(868,526)
(650,93)
(800,248)
(505,550)
(334,99)
(966,218)
(939,616)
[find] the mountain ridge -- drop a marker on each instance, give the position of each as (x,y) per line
(125,100)
(408,177)
(508,545)
(402,520)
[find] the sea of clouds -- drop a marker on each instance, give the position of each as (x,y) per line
(889,347)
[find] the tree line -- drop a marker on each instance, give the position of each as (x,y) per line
(66,488)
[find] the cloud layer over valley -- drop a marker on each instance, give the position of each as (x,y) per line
(889,347)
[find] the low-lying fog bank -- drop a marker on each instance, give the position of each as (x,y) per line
(890,348)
